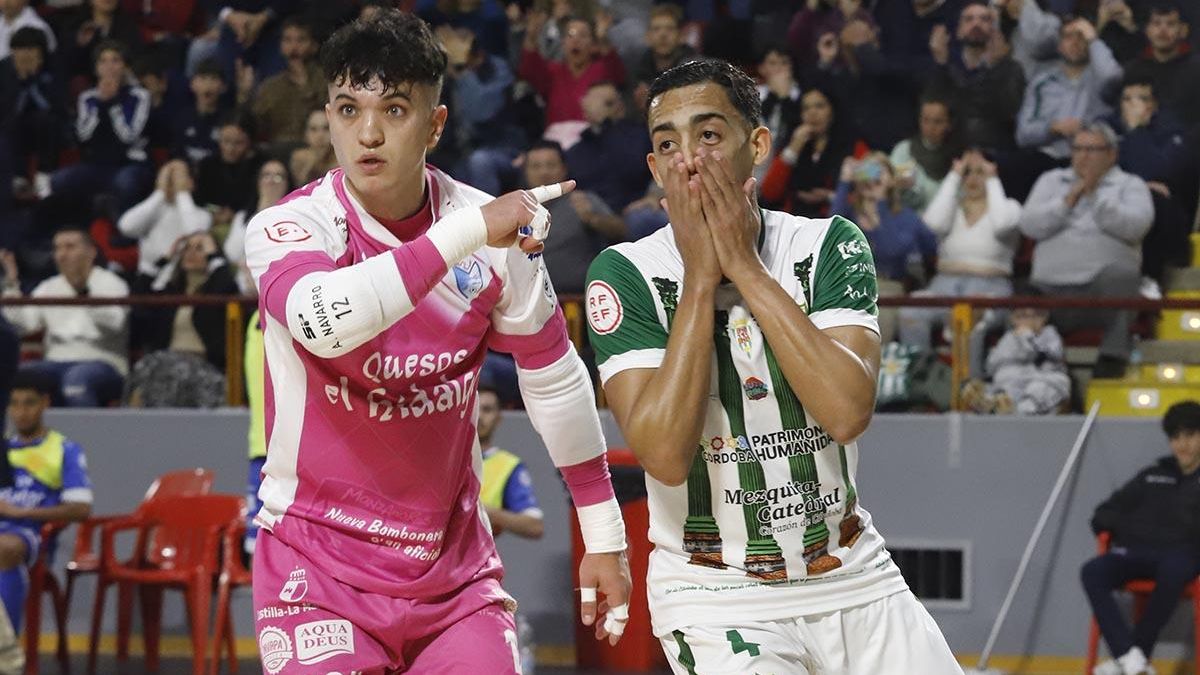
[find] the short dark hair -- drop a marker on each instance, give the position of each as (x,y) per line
(79,230)
(395,47)
(1181,418)
(239,119)
(774,48)
(547,144)
(302,22)
(109,45)
(1162,7)
(741,90)
(1138,80)
(209,68)
(29,38)
(673,12)
(970,3)
(936,100)
(32,380)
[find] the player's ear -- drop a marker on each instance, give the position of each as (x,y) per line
(652,162)
(437,124)
(760,141)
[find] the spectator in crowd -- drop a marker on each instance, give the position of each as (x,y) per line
(17,14)
(802,176)
(225,181)
(84,348)
(159,221)
(507,489)
(315,158)
(274,183)
(1027,369)
(868,86)
(818,19)
(186,344)
(33,114)
(665,49)
(249,33)
(867,194)
(977,227)
(282,102)
(1088,221)
(984,90)
(49,484)
(1153,148)
(194,131)
(780,95)
(1034,33)
(908,26)
(485,19)
(94,22)
(1169,63)
(1062,99)
(1118,29)
(1155,527)
(110,126)
(166,105)
(479,89)
(923,160)
(583,225)
(587,59)
(610,157)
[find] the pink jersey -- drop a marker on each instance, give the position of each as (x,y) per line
(372,461)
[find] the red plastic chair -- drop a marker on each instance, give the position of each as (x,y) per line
(86,559)
(42,580)
(233,575)
(1141,590)
(188,533)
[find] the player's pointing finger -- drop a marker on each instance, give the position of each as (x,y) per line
(544,193)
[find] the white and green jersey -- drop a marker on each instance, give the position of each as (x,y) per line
(768,524)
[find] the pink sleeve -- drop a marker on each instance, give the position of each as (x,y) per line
(589,481)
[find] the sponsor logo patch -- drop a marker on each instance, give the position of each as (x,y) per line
(296,586)
(604,310)
(320,640)
(755,388)
(287,232)
(274,648)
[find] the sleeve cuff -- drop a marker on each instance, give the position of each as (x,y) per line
(638,358)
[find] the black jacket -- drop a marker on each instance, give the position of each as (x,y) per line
(208,320)
(1159,508)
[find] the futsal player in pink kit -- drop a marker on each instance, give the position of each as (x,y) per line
(382,285)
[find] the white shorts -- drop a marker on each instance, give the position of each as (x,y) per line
(891,636)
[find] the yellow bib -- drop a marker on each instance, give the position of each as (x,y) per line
(43,461)
(255,391)
(497,468)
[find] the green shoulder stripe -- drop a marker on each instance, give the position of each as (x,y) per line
(845,274)
(620,311)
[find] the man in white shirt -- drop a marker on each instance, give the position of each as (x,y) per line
(17,14)
(85,347)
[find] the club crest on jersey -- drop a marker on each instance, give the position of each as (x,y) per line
(604,310)
(468,275)
(755,388)
(741,333)
(296,586)
(274,648)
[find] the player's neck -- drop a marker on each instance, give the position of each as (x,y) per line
(402,201)
(29,437)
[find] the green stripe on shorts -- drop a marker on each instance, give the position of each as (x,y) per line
(686,658)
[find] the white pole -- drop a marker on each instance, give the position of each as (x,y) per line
(1037,533)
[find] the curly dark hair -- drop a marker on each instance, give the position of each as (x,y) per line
(1180,418)
(394,47)
(740,89)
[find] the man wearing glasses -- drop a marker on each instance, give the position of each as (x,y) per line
(1089,220)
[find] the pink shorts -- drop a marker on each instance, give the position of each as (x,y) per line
(309,622)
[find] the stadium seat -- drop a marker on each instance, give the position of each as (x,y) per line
(86,559)
(42,580)
(187,540)
(233,575)
(1141,590)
